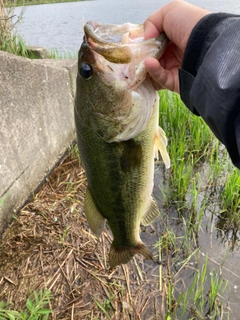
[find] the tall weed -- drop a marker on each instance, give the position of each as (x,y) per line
(9,40)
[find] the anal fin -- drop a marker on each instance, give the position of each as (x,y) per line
(152,213)
(94,218)
(160,145)
(122,255)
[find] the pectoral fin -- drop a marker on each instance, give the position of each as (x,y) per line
(160,146)
(152,214)
(94,218)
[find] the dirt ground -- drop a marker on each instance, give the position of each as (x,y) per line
(49,245)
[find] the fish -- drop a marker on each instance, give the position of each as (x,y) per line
(116,119)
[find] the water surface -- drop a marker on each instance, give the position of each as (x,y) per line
(59,26)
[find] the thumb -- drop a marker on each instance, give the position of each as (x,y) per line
(150,30)
(156,71)
(162,78)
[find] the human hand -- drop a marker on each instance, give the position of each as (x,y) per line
(176,19)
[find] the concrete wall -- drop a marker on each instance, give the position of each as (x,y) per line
(36,125)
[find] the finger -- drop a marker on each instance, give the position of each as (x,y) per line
(150,30)
(162,78)
(156,71)
(177,19)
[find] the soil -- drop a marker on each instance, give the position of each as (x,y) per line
(49,246)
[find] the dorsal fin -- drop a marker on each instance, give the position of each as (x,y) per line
(152,213)
(160,145)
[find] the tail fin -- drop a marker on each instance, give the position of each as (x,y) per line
(122,255)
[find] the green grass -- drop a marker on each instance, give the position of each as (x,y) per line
(230,197)
(9,41)
(36,308)
(200,168)
(190,143)
(16,45)
(12,42)
(201,298)
(105,307)
(192,146)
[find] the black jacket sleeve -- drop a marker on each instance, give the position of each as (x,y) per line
(210,77)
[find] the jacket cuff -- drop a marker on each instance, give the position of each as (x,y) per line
(185,83)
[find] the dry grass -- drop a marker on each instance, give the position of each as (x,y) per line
(49,246)
(9,41)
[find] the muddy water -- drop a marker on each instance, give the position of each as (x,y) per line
(214,240)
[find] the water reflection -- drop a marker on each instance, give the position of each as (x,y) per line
(227,231)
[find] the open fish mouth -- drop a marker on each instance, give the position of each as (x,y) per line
(114,56)
(119,43)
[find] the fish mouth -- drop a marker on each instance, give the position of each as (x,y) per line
(115,42)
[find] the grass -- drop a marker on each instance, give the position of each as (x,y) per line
(200,165)
(35,308)
(201,299)
(9,41)
(55,54)
(105,307)
(230,200)
(198,161)
(190,143)
(229,213)
(36,2)
(12,42)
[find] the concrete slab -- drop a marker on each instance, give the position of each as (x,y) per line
(37,125)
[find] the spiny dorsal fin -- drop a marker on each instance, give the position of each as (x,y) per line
(160,146)
(152,214)
(122,255)
(94,218)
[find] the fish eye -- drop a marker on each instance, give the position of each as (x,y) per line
(85,71)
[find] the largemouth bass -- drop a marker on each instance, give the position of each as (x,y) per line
(116,116)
